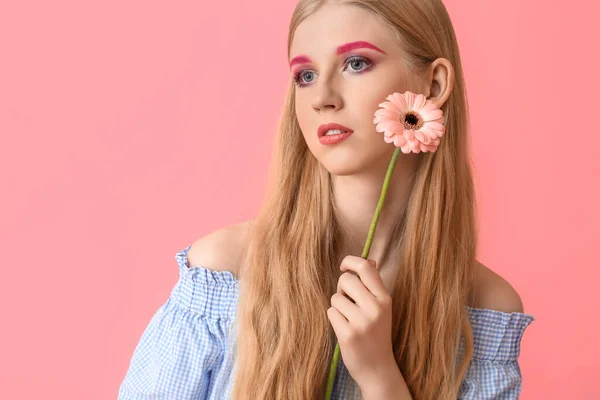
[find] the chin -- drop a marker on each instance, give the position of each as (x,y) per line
(343,167)
(341,172)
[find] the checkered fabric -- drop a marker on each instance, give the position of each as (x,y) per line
(187,349)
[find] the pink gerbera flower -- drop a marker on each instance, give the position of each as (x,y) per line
(411,122)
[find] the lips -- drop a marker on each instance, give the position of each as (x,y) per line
(325,127)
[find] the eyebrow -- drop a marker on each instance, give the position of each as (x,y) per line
(341,49)
(357,45)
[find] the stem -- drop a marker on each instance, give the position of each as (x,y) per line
(365,254)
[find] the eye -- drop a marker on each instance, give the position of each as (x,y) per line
(354,62)
(300,76)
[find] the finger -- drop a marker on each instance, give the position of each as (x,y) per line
(350,285)
(349,310)
(368,275)
(338,321)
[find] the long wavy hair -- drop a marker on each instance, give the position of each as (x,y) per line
(285,341)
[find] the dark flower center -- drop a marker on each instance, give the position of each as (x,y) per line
(412,120)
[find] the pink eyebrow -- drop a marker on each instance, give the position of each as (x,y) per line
(357,45)
(299,60)
(344,48)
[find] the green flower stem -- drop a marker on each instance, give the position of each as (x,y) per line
(365,254)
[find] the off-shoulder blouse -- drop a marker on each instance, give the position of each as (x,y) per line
(186,350)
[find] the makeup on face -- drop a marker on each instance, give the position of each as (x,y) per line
(333,133)
(333,139)
(341,49)
(298,72)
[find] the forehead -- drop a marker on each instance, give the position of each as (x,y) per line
(335,24)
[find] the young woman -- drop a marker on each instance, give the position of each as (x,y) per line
(259,306)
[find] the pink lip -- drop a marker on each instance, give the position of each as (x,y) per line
(325,127)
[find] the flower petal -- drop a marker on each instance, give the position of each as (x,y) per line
(423,138)
(436,127)
(399,141)
(399,101)
(389,133)
(396,126)
(420,101)
(382,112)
(431,115)
(388,105)
(409,98)
(389,139)
(430,105)
(431,148)
(432,133)
(414,143)
(435,142)
(391,126)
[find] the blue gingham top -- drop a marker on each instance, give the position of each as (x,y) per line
(187,349)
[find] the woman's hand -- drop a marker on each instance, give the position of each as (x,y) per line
(363,326)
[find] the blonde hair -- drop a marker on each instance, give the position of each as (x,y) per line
(285,341)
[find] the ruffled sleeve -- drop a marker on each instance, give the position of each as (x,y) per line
(494,371)
(182,347)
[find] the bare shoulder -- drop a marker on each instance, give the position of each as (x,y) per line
(221,250)
(494,292)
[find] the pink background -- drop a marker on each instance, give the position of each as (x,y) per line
(129,129)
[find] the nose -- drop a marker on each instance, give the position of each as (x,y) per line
(326,98)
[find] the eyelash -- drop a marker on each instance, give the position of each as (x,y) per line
(347,62)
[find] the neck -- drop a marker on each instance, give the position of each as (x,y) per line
(355,201)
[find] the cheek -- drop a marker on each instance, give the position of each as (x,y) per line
(365,102)
(302,117)
(305,128)
(366,113)
(387,82)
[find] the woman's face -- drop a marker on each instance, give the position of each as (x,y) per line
(338,82)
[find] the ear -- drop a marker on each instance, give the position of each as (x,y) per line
(440,81)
